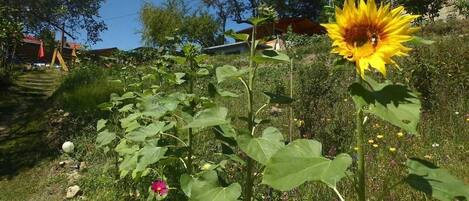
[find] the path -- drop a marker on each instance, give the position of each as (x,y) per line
(23,122)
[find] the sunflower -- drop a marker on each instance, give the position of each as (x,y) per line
(369,35)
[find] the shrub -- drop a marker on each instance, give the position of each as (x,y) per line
(84,89)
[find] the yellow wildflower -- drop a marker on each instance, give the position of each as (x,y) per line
(392,149)
(371,141)
(370,35)
(400,134)
(379,136)
(375,145)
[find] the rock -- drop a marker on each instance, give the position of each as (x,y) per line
(82,166)
(65,163)
(66,114)
(73,191)
(73,177)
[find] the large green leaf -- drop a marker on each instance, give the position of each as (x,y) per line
(144,132)
(394,103)
(101,124)
(271,55)
(214,90)
(301,161)
(105,137)
(209,117)
(439,183)
(124,148)
(420,40)
(186,182)
(207,188)
(228,72)
(149,154)
(263,148)
(237,36)
(277,98)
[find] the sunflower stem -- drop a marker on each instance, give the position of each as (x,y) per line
(360,138)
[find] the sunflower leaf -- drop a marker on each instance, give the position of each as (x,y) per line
(207,188)
(261,149)
(426,177)
(301,161)
(393,103)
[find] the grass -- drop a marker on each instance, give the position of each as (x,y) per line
(439,72)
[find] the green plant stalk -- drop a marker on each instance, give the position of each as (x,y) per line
(191,137)
(361,157)
(250,162)
(360,138)
(290,120)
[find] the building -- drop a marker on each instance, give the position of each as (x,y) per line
(28,51)
(270,31)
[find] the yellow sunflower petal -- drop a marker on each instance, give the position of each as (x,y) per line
(370,35)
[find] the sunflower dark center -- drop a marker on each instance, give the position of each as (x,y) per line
(362,34)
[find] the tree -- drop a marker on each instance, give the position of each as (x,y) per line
(71,16)
(310,9)
(10,35)
(463,7)
(428,8)
(174,19)
(222,12)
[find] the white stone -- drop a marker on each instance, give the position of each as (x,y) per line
(68,147)
(73,191)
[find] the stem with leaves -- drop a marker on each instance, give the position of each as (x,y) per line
(251,116)
(192,106)
(290,119)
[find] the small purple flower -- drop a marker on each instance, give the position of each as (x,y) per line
(160,187)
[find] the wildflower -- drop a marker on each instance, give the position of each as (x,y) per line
(400,134)
(206,166)
(379,136)
(392,149)
(467,119)
(370,35)
(456,113)
(160,187)
(355,148)
(371,141)
(428,157)
(434,145)
(375,145)
(68,147)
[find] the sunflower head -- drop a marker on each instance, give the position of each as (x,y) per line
(370,35)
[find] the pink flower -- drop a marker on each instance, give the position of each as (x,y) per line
(160,187)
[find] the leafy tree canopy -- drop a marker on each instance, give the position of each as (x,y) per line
(174,18)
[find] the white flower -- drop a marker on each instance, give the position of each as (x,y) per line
(68,147)
(435,145)
(456,113)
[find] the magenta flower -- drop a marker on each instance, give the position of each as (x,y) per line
(160,187)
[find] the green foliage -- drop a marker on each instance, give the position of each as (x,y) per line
(85,88)
(302,161)
(206,188)
(209,117)
(10,37)
(262,148)
(226,72)
(174,19)
(428,8)
(51,14)
(428,178)
(393,103)
(463,7)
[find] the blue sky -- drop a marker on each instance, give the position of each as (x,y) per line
(121,17)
